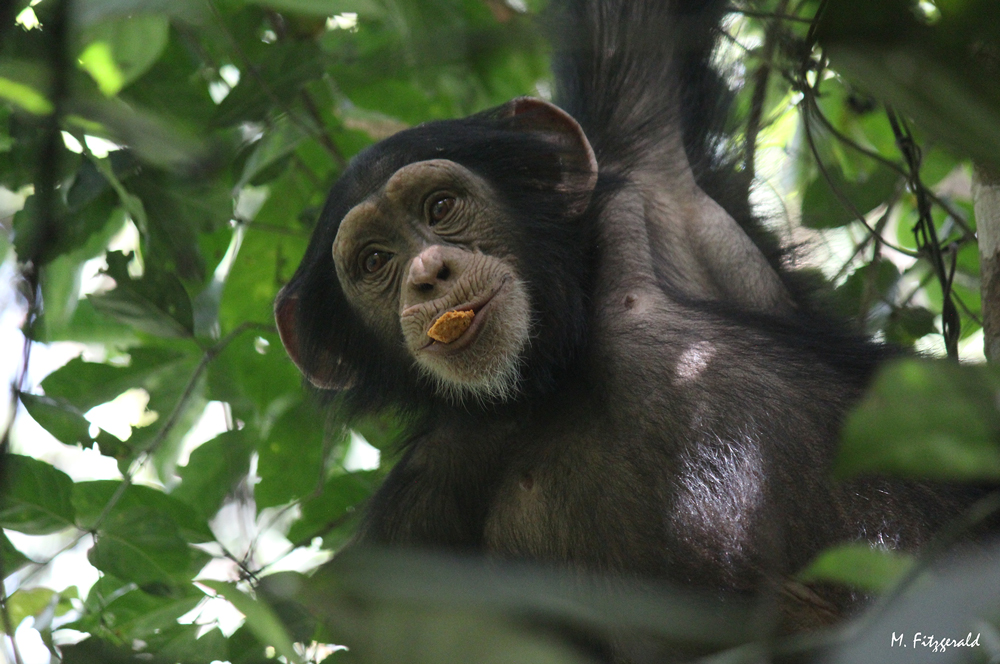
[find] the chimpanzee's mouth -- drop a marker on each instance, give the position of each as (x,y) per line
(481,310)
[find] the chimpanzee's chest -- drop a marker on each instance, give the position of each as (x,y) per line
(585,499)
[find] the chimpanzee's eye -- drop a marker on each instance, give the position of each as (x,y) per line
(439,208)
(375,261)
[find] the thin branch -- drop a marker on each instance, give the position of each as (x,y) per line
(761,78)
(8,626)
(879,227)
(926,234)
(17,384)
(323,136)
(777,15)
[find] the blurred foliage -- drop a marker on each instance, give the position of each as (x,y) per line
(186,147)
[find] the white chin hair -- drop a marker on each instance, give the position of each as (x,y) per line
(496,381)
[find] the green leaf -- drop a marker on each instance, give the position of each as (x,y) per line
(74,227)
(155,138)
(340,496)
(291,457)
(212,471)
(28,602)
(11,559)
(929,72)
(26,83)
(822,207)
(36,498)
(908,324)
(282,69)
(69,426)
(97,61)
(133,44)
(928,419)
(178,210)
(91,498)
(61,420)
(279,591)
(858,564)
(132,613)
(268,257)
(182,643)
(279,142)
(382,431)
(252,374)
(260,618)
(865,288)
(24,96)
(155,303)
(142,545)
(89,384)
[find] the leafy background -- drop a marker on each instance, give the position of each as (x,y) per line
(167,481)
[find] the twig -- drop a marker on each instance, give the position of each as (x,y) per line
(777,15)
(926,234)
(8,626)
(761,78)
(322,136)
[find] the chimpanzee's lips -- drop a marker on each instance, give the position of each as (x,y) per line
(481,308)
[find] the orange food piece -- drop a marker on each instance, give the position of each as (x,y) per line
(450,326)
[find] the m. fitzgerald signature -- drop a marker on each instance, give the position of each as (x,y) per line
(921,640)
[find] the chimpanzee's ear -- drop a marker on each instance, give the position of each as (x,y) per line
(579,165)
(331,374)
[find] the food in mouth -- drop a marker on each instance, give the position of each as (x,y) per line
(450,326)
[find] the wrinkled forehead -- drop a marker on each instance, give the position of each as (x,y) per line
(384,211)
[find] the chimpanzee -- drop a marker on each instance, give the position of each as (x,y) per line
(602,360)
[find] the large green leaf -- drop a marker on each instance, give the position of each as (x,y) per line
(254,375)
(36,497)
(26,84)
(11,558)
(68,425)
(859,565)
(212,472)
(155,303)
(179,209)
(91,499)
(142,545)
(121,610)
(335,504)
(822,204)
(89,384)
(281,69)
(135,41)
(924,418)
(292,456)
